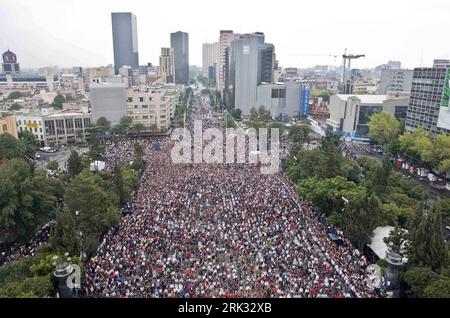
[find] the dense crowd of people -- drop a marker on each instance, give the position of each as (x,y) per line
(15,253)
(219,230)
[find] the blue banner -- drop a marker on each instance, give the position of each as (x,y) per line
(304,103)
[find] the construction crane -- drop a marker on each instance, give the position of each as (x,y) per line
(347,58)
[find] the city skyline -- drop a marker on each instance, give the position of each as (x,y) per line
(83,33)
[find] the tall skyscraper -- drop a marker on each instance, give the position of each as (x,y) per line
(179,42)
(249,62)
(429,103)
(225,39)
(166,65)
(244,72)
(124,30)
(210,55)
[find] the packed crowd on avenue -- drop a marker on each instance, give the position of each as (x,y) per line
(15,253)
(219,230)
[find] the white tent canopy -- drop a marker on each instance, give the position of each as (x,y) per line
(377,245)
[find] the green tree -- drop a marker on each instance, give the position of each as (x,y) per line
(138,128)
(103,124)
(414,143)
(442,151)
(64,235)
(53,165)
(360,218)
(29,141)
(228,121)
(331,165)
(237,114)
(378,178)
(15,95)
(438,289)
(74,164)
(304,163)
(58,101)
(124,125)
(428,247)
(37,286)
(263,114)
(11,148)
(27,200)
(397,240)
(383,128)
(96,149)
(253,114)
(138,150)
(300,133)
(326,194)
(14,107)
(419,278)
(443,205)
(89,209)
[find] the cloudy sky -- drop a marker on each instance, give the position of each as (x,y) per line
(69,33)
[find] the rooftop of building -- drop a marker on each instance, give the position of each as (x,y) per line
(66,112)
(365,99)
(107,84)
(6,114)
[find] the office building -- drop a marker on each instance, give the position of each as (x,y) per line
(441,63)
(210,55)
(108,100)
(71,82)
(395,80)
(362,87)
(179,42)
(66,127)
(212,72)
(244,72)
(250,62)
(166,65)
(32,122)
(27,82)
(349,114)
(10,65)
(130,75)
(49,127)
(96,74)
(125,44)
(429,104)
(152,107)
(225,39)
(291,99)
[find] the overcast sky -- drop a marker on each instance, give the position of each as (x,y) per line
(78,32)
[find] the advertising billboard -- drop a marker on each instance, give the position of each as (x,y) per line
(304,103)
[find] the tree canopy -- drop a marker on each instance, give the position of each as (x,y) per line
(58,101)
(90,209)
(14,95)
(27,200)
(383,128)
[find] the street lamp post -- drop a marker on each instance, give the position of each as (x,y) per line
(77,213)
